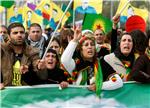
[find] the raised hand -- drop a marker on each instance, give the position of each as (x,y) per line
(24,69)
(64,84)
(41,64)
(77,34)
(115,20)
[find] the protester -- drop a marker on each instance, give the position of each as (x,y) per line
(18,58)
(114,35)
(35,38)
(3,34)
(53,74)
(66,34)
(122,59)
(87,69)
(55,44)
(141,69)
(140,40)
(102,48)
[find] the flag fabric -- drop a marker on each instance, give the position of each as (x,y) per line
(69,13)
(14,14)
(50,12)
(57,14)
(94,21)
(31,6)
(130,11)
(131,95)
(30,17)
(7,3)
(1,9)
(44,9)
(88,6)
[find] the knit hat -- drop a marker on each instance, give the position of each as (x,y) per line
(135,22)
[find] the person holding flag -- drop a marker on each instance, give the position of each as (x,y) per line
(86,68)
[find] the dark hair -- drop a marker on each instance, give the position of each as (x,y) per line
(140,40)
(57,40)
(54,39)
(3,26)
(54,52)
(64,33)
(35,25)
(148,34)
(13,25)
(121,56)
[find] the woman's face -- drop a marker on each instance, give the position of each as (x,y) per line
(51,60)
(126,44)
(88,49)
(55,46)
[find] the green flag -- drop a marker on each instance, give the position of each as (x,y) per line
(131,95)
(69,14)
(94,21)
(7,3)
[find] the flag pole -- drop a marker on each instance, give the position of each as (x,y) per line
(124,7)
(73,22)
(56,28)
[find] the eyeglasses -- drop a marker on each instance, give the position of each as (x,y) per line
(99,34)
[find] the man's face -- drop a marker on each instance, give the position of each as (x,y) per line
(99,36)
(35,33)
(3,31)
(85,4)
(17,35)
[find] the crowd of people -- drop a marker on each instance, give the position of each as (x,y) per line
(74,57)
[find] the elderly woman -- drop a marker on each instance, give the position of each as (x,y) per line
(86,69)
(122,59)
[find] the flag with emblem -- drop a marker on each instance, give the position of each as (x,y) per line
(94,21)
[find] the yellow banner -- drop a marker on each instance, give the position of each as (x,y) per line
(130,10)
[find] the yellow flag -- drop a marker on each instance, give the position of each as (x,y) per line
(14,14)
(57,13)
(30,17)
(88,6)
(45,6)
(130,10)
